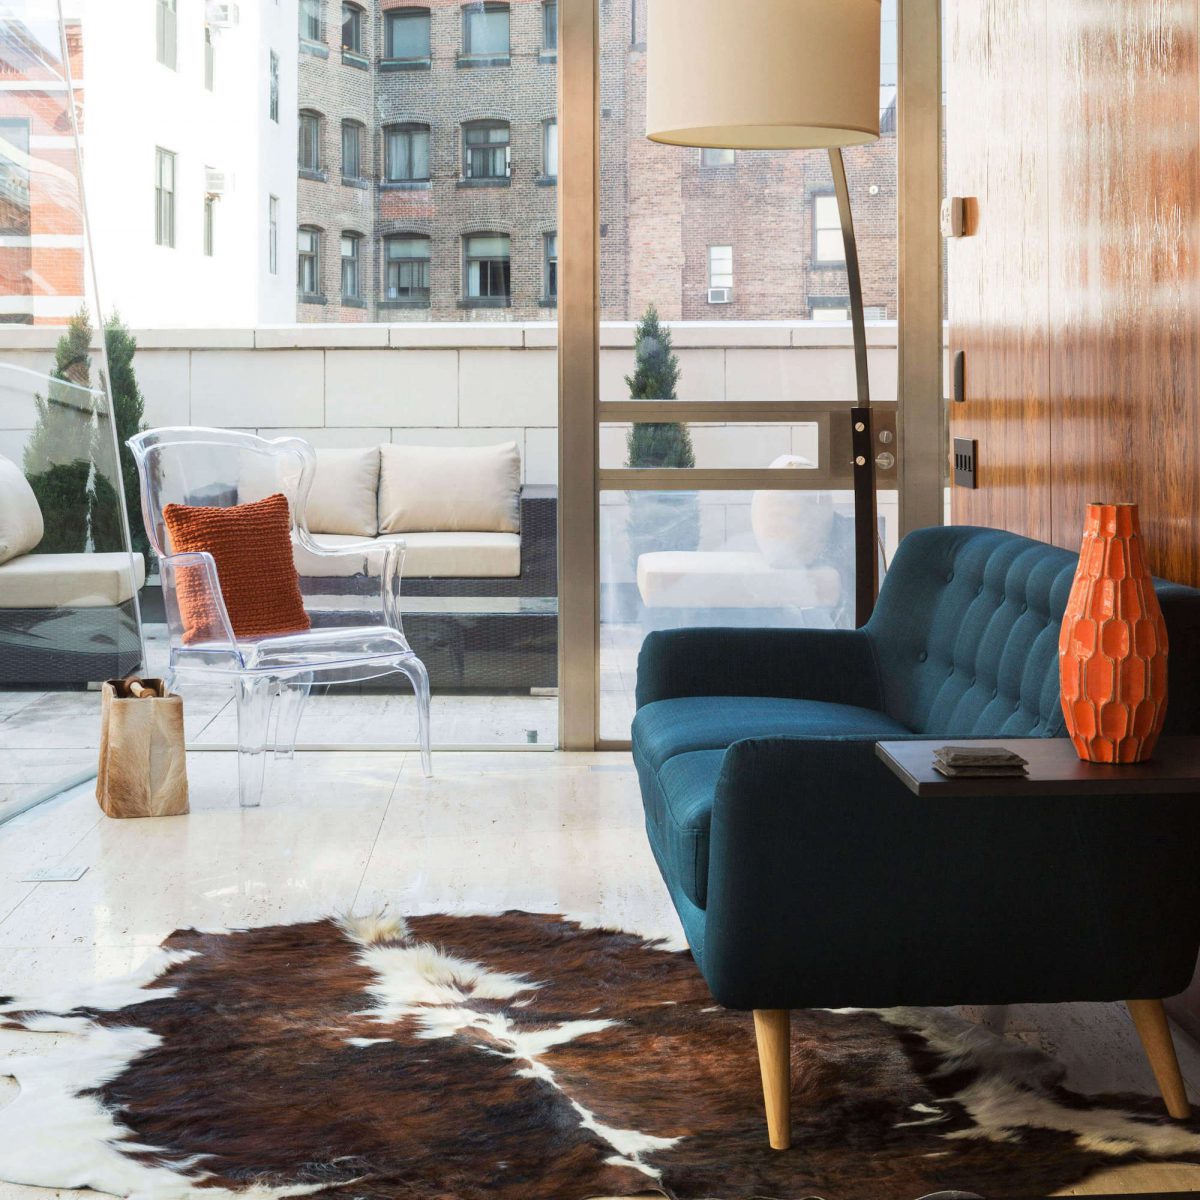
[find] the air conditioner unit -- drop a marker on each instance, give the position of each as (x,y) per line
(222,16)
(720,295)
(216,183)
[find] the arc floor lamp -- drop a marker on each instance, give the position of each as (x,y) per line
(781,75)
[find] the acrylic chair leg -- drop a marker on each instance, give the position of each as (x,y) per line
(254,698)
(289,708)
(414,668)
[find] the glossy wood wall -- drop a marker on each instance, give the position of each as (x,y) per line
(1073,127)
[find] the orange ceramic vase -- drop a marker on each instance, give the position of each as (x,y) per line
(1112,651)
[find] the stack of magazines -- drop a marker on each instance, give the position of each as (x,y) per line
(982,762)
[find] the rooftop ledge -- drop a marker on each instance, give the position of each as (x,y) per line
(515,335)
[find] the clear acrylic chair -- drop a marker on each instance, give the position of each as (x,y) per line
(271,676)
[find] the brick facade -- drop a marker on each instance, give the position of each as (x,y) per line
(41,216)
(661,209)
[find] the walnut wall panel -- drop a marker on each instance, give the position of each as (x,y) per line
(1075,125)
(996,146)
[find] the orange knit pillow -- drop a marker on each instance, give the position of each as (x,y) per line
(252,547)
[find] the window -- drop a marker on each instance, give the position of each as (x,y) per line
(406,269)
(351,276)
(209,58)
(165,33)
(273,235)
(720,266)
(14,176)
(828,246)
(406,153)
(310,141)
(210,209)
(489,271)
(550,256)
(351,150)
(164,197)
(550,25)
(485,30)
(406,36)
(487,150)
(829,308)
(352,27)
(308,273)
(717,158)
(550,149)
(312,23)
(274,89)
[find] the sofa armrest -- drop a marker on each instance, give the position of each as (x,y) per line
(832,885)
(834,665)
(539,540)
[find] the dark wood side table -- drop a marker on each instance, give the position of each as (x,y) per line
(1056,770)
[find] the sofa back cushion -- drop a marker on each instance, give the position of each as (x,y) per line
(445,489)
(966,636)
(21,527)
(344,494)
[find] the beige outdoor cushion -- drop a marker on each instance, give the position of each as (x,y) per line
(731,579)
(21,527)
(69,580)
(444,489)
(460,555)
(315,566)
(343,499)
(792,528)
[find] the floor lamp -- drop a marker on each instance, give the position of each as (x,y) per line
(781,75)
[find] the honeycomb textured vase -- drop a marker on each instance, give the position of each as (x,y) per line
(1113,648)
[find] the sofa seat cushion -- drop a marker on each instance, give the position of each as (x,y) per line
(679,816)
(312,566)
(732,579)
(70,580)
(460,555)
(667,728)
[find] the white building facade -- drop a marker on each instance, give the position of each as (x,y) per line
(189,146)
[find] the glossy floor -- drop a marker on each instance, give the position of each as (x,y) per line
(363,832)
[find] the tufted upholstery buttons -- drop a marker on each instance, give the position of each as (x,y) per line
(923,656)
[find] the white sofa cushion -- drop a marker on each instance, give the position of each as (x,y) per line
(21,527)
(343,499)
(792,528)
(460,555)
(448,489)
(313,566)
(732,579)
(70,580)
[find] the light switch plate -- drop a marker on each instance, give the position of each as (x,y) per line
(54,875)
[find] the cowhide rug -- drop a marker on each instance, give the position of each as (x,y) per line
(519,1057)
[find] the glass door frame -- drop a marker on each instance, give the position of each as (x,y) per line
(919,413)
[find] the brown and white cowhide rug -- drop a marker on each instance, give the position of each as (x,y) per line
(519,1057)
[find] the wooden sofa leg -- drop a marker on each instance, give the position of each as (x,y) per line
(773,1029)
(1151,1021)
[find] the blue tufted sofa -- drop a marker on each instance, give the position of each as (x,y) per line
(807,875)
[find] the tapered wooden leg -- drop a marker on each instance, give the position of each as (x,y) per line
(773,1028)
(1151,1022)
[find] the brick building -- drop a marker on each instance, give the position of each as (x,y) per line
(428,167)
(41,218)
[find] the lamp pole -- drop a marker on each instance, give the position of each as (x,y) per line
(866,512)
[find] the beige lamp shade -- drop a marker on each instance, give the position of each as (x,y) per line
(763,74)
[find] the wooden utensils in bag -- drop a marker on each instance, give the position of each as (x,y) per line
(143,766)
